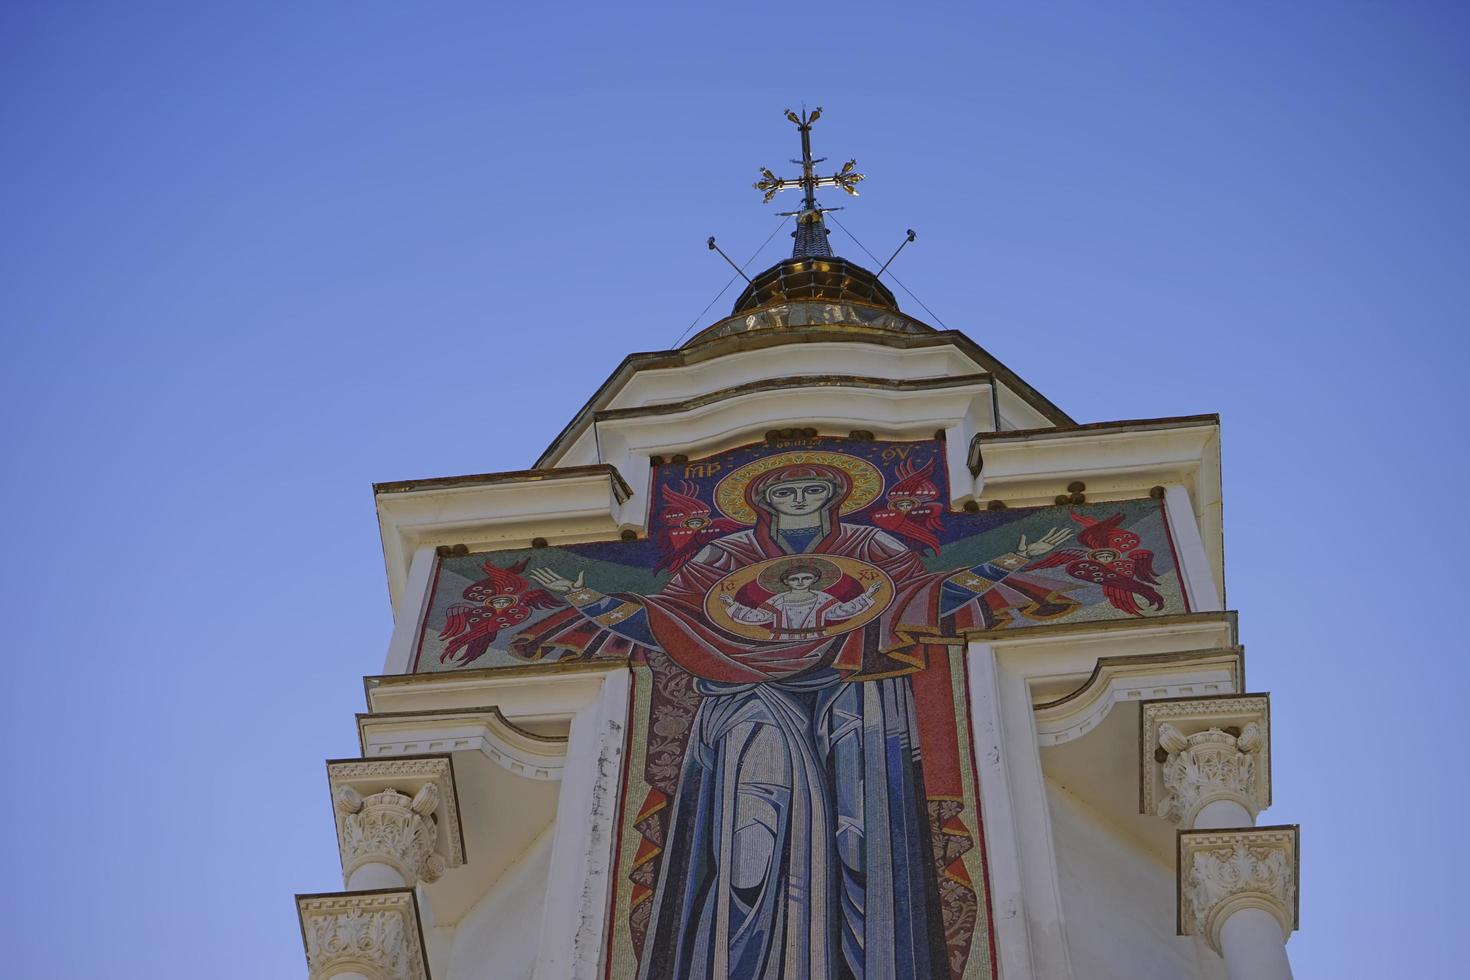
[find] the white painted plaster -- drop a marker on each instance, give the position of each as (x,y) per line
(669,385)
(1205,594)
(495,514)
(1007,889)
(1031,821)
(473,731)
(664,385)
(499,937)
(960,409)
(579,879)
(408,609)
(1055,866)
(1119,902)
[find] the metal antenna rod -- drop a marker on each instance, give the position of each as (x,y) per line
(901,244)
(715,248)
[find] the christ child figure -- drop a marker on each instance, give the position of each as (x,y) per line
(801,610)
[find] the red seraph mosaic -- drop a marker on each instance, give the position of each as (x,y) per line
(800,799)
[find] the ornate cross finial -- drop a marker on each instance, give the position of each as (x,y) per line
(811,237)
(808,181)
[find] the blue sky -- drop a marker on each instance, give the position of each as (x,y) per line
(254,257)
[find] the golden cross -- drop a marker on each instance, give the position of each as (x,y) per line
(808,181)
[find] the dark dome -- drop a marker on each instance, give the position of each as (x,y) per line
(817,277)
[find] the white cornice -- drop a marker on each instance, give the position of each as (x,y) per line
(485,730)
(1118,460)
(1079,674)
(594,502)
(1026,467)
(1022,468)
(675,376)
(961,407)
(496,511)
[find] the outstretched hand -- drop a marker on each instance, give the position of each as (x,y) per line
(556,583)
(1045,543)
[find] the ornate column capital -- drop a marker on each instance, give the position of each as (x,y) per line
(1194,751)
(373,933)
(402,812)
(1224,871)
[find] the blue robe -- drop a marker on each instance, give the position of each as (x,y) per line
(799,843)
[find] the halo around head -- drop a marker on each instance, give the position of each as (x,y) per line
(770,577)
(867,482)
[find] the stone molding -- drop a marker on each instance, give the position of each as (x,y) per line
(1116,680)
(672,376)
(384,735)
(402,812)
(373,933)
(1195,751)
(1221,872)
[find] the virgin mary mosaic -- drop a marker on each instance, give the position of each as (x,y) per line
(800,800)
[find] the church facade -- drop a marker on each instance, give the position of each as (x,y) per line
(821,647)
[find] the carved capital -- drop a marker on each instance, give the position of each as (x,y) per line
(401,812)
(374,933)
(1199,750)
(1224,871)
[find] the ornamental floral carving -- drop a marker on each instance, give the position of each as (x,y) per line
(1196,751)
(1222,872)
(376,933)
(1207,766)
(390,828)
(399,812)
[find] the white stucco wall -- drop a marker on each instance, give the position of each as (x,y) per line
(499,938)
(1118,902)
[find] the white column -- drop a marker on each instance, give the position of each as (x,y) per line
(371,875)
(1250,942)
(1223,813)
(1237,890)
(1207,770)
(397,826)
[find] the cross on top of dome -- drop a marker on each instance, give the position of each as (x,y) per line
(811,232)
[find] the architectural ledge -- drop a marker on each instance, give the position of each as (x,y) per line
(1194,751)
(814,348)
(1221,872)
(1176,457)
(1078,673)
(386,736)
(401,811)
(496,510)
(370,933)
(1023,466)
(959,405)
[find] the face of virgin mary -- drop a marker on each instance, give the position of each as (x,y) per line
(798,498)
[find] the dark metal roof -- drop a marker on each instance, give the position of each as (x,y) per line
(811,237)
(815,277)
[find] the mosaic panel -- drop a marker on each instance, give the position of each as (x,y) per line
(800,799)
